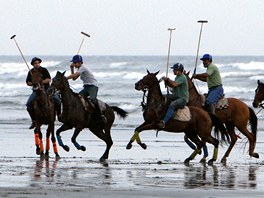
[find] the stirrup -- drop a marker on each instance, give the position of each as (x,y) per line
(161,124)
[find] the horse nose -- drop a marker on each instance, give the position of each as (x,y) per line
(255,104)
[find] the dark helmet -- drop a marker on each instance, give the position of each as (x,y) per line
(77,58)
(35,59)
(207,56)
(178,67)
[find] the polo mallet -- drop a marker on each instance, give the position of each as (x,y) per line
(168,57)
(13,37)
(84,35)
(196,60)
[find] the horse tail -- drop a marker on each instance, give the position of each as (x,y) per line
(120,112)
(219,126)
(253,121)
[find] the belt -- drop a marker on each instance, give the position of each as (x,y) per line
(215,86)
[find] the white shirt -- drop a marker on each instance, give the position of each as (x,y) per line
(87,76)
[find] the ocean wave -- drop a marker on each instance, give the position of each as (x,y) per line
(118,64)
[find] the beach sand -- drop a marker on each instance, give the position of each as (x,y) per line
(158,171)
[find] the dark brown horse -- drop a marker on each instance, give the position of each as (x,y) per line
(238,114)
(198,128)
(259,95)
(74,115)
(45,114)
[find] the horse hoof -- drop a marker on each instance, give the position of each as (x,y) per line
(187,162)
(211,162)
(46,155)
(42,156)
(66,148)
(203,160)
(256,155)
(104,162)
(83,148)
(57,157)
(129,146)
(143,145)
(38,151)
(223,160)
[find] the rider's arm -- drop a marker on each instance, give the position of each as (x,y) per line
(73,76)
(170,82)
(202,77)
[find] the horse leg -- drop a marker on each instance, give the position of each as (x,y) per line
(136,137)
(64,127)
(194,138)
(53,140)
(37,141)
(251,140)
(41,146)
(231,131)
(106,137)
(214,142)
(47,143)
(73,139)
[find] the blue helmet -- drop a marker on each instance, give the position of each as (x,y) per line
(77,58)
(178,67)
(207,56)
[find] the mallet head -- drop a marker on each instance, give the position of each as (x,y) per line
(85,34)
(202,21)
(13,36)
(171,29)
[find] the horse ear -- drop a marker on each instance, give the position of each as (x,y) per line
(64,72)
(157,73)
(148,71)
(187,73)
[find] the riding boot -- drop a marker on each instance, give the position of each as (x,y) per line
(32,115)
(99,111)
(211,108)
(168,115)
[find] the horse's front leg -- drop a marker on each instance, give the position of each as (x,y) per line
(73,139)
(50,130)
(38,140)
(142,127)
(64,127)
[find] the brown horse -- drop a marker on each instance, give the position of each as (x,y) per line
(45,114)
(74,115)
(236,115)
(259,95)
(198,128)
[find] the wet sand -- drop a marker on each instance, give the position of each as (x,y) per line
(158,171)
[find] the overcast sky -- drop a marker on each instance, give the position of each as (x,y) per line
(131,27)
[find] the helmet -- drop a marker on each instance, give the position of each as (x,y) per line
(77,58)
(35,59)
(207,56)
(178,67)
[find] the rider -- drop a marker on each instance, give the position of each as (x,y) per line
(180,93)
(90,84)
(214,81)
(46,80)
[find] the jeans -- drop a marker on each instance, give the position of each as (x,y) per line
(214,94)
(33,96)
(89,90)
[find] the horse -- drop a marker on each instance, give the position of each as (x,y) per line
(237,114)
(198,128)
(259,95)
(75,115)
(44,111)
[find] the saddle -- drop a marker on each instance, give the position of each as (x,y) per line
(182,114)
(87,103)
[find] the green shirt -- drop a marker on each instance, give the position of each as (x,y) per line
(181,91)
(214,78)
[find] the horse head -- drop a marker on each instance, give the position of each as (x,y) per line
(37,80)
(147,82)
(59,82)
(259,94)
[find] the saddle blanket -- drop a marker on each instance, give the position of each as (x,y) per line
(182,114)
(222,104)
(88,103)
